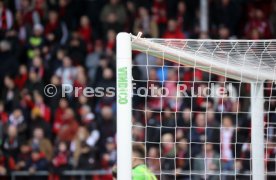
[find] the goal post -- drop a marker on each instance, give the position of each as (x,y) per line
(124,104)
(257,130)
(245,61)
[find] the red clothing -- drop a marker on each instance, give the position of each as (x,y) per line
(60,159)
(86,34)
(190,76)
(21,80)
(159,11)
(80,87)
(174,35)
(68,130)
(110,45)
(3,18)
(4,117)
(8,163)
(51,27)
(262,26)
(58,120)
(27,17)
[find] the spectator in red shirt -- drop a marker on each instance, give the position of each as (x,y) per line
(173,31)
(54,30)
(22,77)
(3,114)
(7,164)
(44,109)
(85,31)
(6,17)
(159,13)
(258,23)
(60,162)
(63,105)
(68,127)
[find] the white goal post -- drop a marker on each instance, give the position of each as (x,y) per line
(246,61)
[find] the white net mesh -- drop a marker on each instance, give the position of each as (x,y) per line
(191,106)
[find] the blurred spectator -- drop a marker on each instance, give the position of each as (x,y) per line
(183,18)
(56,61)
(76,49)
(224,14)
(210,165)
(63,105)
(258,26)
(173,31)
(6,17)
(153,160)
(88,120)
(60,161)
(10,94)
(55,31)
(69,126)
(41,143)
(183,162)
(159,14)
(106,124)
(29,15)
(80,82)
(131,10)
(171,85)
(273,19)
(45,111)
(11,142)
(34,82)
(67,72)
(85,32)
(21,79)
(23,156)
(83,154)
(223,32)
(113,16)
(110,42)
(198,134)
(3,114)
(8,63)
(138,132)
(168,153)
(110,153)
(37,66)
(7,164)
(168,122)
(152,133)
(36,41)
(108,79)
(92,61)
(17,120)
(145,23)
(214,128)
(185,118)
(227,143)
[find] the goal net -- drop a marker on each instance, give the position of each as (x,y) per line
(201,109)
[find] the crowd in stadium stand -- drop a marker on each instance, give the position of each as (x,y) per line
(73,42)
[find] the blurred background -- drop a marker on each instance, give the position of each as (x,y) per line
(73,42)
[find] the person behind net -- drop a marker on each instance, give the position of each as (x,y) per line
(140,171)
